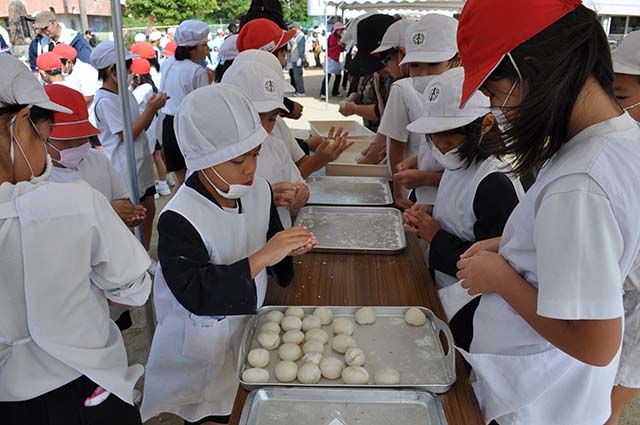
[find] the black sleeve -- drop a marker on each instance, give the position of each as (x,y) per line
(288,103)
(283,271)
(493,203)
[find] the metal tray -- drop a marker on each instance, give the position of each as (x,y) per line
(415,352)
(346,164)
(295,406)
(357,230)
(355,129)
(353,191)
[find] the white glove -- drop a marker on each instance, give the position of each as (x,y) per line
(299,62)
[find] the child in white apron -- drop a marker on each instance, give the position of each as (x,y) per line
(548,329)
(218,238)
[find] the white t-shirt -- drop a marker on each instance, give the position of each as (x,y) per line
(97,171)
(403,107)
(179,78)
(109,122)
(142,94)
(84,78)
(281,131)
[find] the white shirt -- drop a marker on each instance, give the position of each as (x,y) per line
(84,78)
(178,79)
(142,94)
(281,131)
(403,107)
(97,171)
(78,254)
(109,122)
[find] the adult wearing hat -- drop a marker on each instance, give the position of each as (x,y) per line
(66,254)
(334,48)
(55,33)
(79,75)
(553,284)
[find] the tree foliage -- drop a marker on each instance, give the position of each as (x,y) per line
(171,11)
(230,10)
(295,10)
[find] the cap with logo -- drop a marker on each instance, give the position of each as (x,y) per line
(263,34)
(626,58)
(394,37)
(266,59)
(71,126)
(143,49)
(170,49)
(441,99)
(264,87)
(104,55)
(489,29)
(140,66)
(65,51)
(370,33)
(49,61)
(44,19)
(192,33)
(18,86)
(431,40)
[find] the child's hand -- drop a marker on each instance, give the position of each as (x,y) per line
(300,199)
(484,272)
(407,164)
(285,243)
(347,108)
(329,150)
(491,245)
(284,193)
(408,178)
(417,221)
(157,101)
(402,202)
(131,214)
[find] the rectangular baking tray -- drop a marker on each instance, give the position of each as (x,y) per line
(417,353)
(356,230)
(355,129)
(347,165)
(309,406)
(349,191)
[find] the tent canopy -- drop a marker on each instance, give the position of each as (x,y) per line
(371,5)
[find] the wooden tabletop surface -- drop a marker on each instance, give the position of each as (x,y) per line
(361,280)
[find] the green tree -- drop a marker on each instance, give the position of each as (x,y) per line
(228,10)
(295,10)
(171,11)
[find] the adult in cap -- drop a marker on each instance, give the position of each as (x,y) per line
(222,208)
(55,33)
(79,75)
(546,67)
(335,47)
(62,359)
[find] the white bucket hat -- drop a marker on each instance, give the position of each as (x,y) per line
(192,33)
(267,59)
(441,105)
(228,49)
(264,87)
(431,40)
(215,124)
(104,55)
(394,38)
(626,58)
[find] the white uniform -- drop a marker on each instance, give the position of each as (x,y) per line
(142,94)
(281,131)
(179,78)
(109,122)
(574,236)
(84,78)
(276,166)
(64,254)
(191,367)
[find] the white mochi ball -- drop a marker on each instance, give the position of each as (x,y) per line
(366,316)
(275,316)
(271,327)
(386,376)
(355,375)
(312,357)
(295,311)
(255,375)
(313,346)
(354,357)
(318,335)
(291,323)
(269,340)
(293,336)
(289,352)
(331,367)
(343,325)
(258,357)
(415,317)
(286,371)
(309,374)
(341,343)
(325,314)
(311,322)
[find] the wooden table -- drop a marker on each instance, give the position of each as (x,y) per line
(354,280)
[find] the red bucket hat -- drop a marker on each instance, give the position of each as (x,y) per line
(170,49)
(489,29)
(69,126)
(140,66)
(143,49)
(263,34)
(48,61)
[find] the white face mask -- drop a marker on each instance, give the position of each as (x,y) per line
(450,160)
(421,83)
(632,106)
(498,112)
(14,141)
(236,191)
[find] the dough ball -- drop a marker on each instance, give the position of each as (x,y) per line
(289,352)
(291,323)
(286,371)
(271,327)
(255,375)
(269,340)
(295,311)
(387,376)
(313,346)
(331,367)
(293,336)
(342,325)
(275,316)
(312,357)
(309,374)
(355,375)
(318,335)
(311,322)
(366,316)
(258,357)
(415,317)
(354,357)
(341,343)
(325,314)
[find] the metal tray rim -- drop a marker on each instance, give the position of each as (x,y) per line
(388,201)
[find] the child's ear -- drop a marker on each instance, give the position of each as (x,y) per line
(488,122)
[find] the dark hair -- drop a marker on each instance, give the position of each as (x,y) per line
(54,72)
(285,47)
(184,52)
(38,114)
(221,69)
(103,74)
(555,64)
(154,63)
(146,79)
(471,151)
(269,9)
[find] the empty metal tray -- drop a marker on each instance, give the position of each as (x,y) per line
(349,191)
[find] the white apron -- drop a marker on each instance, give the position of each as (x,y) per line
(521,378)
(453,209)
(191,367)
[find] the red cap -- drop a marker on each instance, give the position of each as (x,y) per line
(143,49)
(170,49)
(65,51)
(69,126)
(140,66)
(48,62)
(263,34)
(489,29)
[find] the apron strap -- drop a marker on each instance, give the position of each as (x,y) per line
(8,210)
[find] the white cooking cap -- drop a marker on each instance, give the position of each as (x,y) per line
(431,40)
(264,87)
(155,36)
(267,59)
(104,55)
(18,86)
(626,58)
(394,38)
(215,124)
(228,50)
(441,105)
(192,33)
(139,37)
